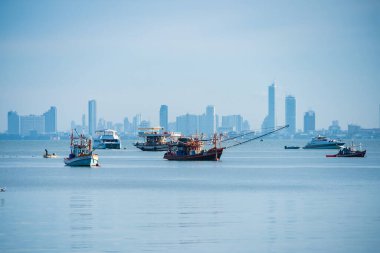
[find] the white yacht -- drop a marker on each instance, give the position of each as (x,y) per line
(106,139)
(322,142)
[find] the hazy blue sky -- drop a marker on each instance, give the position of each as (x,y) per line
(133,56)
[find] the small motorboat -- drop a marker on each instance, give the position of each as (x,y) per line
(47,155)
(291,147)
(349,152)
(2,189)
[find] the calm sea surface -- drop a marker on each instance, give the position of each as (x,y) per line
(258,198)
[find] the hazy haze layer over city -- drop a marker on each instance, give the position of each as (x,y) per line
(133,56)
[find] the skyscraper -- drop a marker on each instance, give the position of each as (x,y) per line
(309,122)
(51,120)
(13,123)
(290,114)
(270,120)
(164,117)
(91,117)
(210,120)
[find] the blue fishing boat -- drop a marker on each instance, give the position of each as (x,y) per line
(81,152)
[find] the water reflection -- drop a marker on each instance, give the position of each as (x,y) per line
(81,221)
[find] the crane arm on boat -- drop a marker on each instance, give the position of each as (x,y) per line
(257,137)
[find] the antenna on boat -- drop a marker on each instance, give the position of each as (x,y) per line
(76,131)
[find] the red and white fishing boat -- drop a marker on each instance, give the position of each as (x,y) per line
(350,151)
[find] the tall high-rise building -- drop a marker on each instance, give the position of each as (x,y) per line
(309,122)
(290,114)
(164,117)
(32,124)
(91,117)
(13,123)
(270,120)
(210,120)
(51,120)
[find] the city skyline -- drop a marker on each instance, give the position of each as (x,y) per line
(133,57)
(235,121)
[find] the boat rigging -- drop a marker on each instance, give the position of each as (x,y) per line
(192,149)
(254,138)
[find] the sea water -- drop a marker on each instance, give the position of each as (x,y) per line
(258,198)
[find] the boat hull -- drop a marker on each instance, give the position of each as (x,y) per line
(88,160)
(355,154)
(291,147)
(107,146)
(143,147)
(325,146)
(210,155)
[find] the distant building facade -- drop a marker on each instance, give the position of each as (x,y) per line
(164,120)
(270,120)
(13,123)
(309,122)
(233,122)
(145,124)
(102,124)
(136,122)
(187,124)
(334,128)
(32,125)
(91,117)
(51,120)
(127,125)
(210,126)
(290,114)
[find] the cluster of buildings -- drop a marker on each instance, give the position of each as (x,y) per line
(33,125)
(309,120)
(290,115)
(207,123)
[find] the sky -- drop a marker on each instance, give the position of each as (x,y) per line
(133,56)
